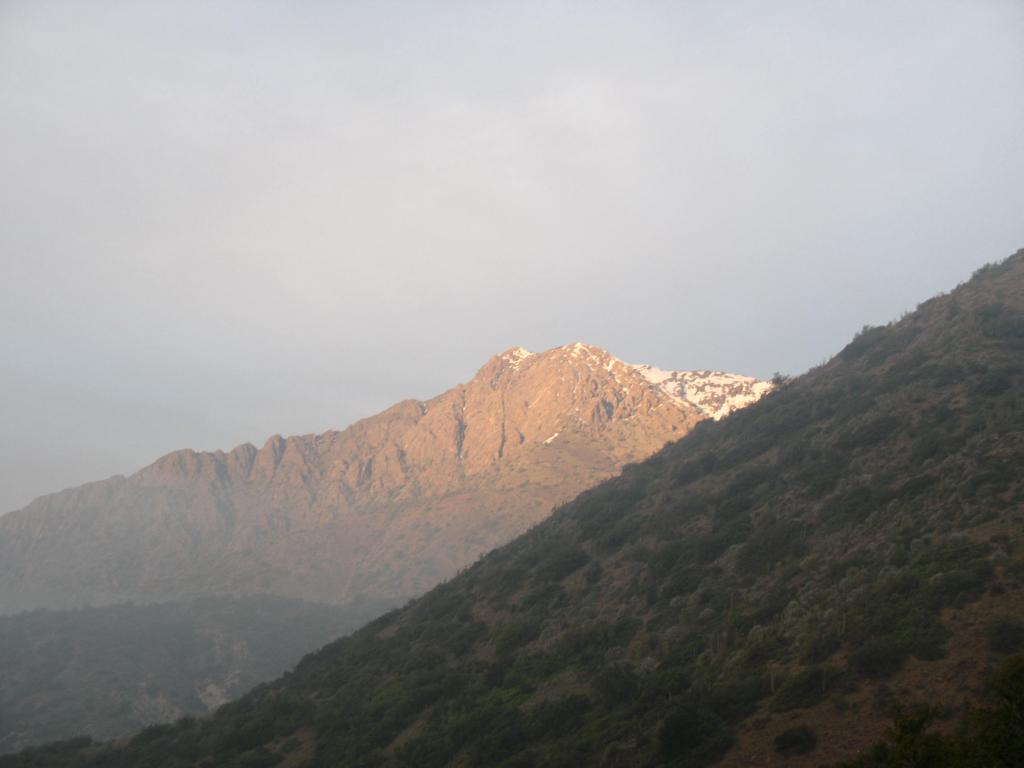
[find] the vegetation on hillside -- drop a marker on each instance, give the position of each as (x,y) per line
(111,671)
(793,553)
(987,737)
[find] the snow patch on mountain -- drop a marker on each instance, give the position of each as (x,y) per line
(516,355)
(715,393)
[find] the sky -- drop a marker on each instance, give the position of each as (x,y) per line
(222,221)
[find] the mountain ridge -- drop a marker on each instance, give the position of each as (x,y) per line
(355,507)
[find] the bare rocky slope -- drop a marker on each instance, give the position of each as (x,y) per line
(383,510)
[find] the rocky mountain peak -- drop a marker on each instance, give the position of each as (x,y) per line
(713,394)
(385,508)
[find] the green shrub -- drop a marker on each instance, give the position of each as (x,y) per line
(805,689)
(873,432)
(1006,635)
(1003,323)
(562,562)
(694,469)
(865,339)
(992,385)
(879,658)
(796,741)
(558,715)
(732,700)
(821,647)
(693,732)
(771,541)
(516,634)
(616,685)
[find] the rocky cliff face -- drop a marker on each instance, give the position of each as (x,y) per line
(386,508)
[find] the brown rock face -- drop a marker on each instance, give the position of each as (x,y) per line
(384,509)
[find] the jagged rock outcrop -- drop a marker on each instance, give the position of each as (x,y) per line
(386,508)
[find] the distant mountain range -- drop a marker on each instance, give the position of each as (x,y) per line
(762,592)
(382,510)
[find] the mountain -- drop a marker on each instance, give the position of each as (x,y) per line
(760,592)
(110,671)
(382,510)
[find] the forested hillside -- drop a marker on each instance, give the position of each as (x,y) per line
(766,589)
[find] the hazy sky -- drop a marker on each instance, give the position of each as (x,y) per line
(220,221)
